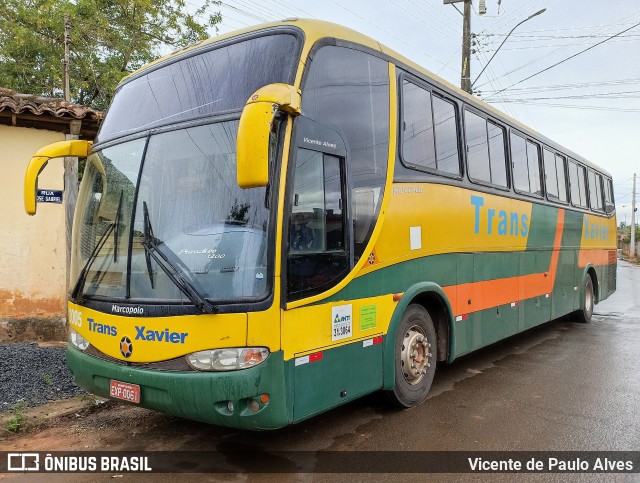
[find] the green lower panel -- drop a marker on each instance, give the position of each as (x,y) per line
(341,375)
(484,328)
(534,312)
(201,396)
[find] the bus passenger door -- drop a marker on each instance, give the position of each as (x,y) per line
(328,367)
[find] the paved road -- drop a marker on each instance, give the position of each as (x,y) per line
(562,386)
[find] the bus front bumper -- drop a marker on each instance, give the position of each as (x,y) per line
(201,396)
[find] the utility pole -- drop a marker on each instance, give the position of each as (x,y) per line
(632,248)
(465,77)
(65,62)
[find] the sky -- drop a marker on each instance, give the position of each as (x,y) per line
(589,103)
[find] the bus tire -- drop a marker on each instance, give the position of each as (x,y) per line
(414,358)
(588,299)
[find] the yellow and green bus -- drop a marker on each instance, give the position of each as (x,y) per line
(279,220)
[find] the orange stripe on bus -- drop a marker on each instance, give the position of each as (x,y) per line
(596,257)
(475,296)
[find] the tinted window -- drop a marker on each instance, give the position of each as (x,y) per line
(577,175)
(595,191)
(519,163)
(550,174)
(608,196)
(318,256)
(477,147)
(497,155)
(562,179)
(533,155)
(575,184)
(348,91)
(417,127)
(582,180)
(446,130)
(608,191)
(203,84)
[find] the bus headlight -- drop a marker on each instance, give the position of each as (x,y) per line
(77,340)
(231,359)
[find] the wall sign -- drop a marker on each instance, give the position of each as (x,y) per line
(49,196)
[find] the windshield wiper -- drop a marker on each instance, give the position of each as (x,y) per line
(113,227)
(116,228)
(173,271)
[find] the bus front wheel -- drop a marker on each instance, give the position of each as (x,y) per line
(415,360)
(586,310)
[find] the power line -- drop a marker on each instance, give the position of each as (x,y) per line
(424,22)
(607,95)
(389,33)
(572,86)
(568,58)
(546,55)
(569,106)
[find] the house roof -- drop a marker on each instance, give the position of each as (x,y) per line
(26,110)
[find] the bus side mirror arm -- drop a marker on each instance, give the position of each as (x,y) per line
(254,131)
(39,161)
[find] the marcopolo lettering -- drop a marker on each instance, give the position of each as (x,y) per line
(119,309)
(160,335)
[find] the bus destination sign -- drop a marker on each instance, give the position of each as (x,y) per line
(49,196)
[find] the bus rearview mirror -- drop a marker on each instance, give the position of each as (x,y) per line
(254,131)
(39,161)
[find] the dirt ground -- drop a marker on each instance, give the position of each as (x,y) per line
(86,424)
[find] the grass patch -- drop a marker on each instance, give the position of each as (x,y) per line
(14,423)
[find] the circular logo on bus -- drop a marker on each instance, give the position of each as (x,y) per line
(126,347)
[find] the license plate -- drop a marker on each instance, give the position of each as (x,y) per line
(125,391)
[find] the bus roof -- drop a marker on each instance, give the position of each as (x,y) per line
(317,29)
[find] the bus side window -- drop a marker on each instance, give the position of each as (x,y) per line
(578,185)
(533,156)
(497,154)
(561,171)
(429,131)
(446,133)
(418,143)
(550,174)
(475,128)
(519,164)
(608,196)
(575,185)
(485,150)
(595,191)
(582,180)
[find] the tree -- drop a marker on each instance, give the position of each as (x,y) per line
(109,39)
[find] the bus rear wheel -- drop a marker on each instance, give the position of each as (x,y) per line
(586,310)
(415,361)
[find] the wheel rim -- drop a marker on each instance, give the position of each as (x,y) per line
(415,356)
(588,300)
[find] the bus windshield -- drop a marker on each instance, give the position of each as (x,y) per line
(188,207)
(211,82)
(160,218)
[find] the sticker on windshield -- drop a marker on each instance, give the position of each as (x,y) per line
(341,325)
